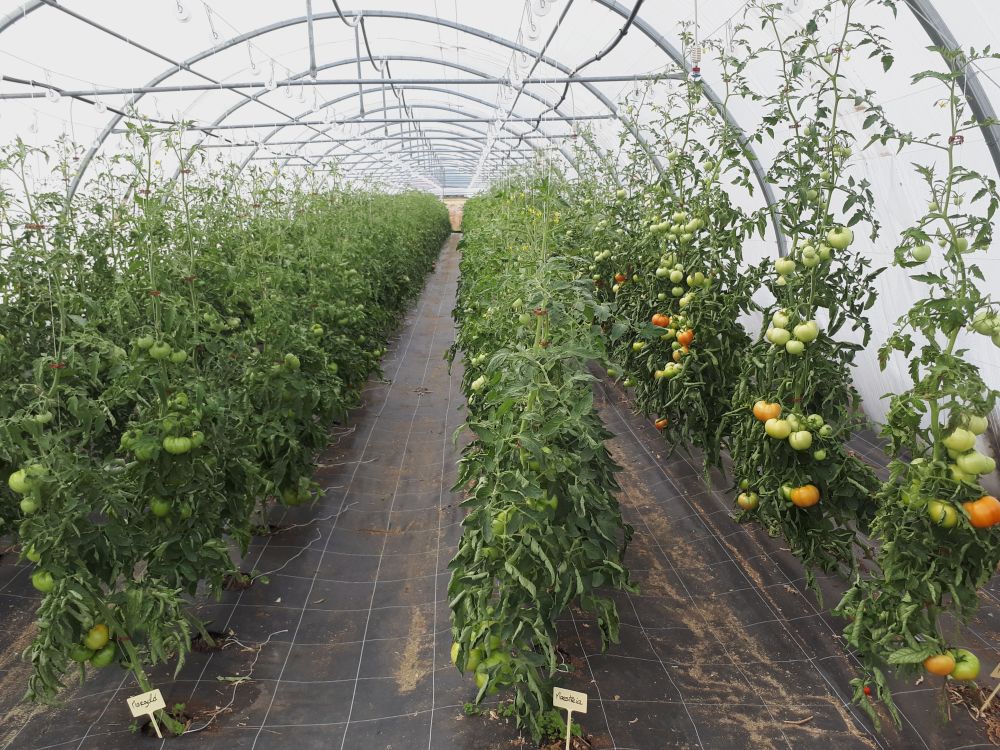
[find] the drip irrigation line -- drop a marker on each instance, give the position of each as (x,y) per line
(622,33)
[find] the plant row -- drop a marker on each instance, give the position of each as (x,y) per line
(544,531)
(174,352)
(662,242)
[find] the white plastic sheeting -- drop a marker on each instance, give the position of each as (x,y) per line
(452,132)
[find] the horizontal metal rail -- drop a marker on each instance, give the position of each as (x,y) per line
(39,87)
(383,121)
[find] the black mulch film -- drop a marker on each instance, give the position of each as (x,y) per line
(343,641)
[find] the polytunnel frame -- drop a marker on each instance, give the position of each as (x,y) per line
(551,137)
(402,15)
(390,58)
(933,24)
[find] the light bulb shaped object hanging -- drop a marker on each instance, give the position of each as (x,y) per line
(100,107)
(181,13)
(33,125)
(272,81)
(542,7)
(531,28)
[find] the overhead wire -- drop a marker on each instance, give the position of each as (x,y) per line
(622,33)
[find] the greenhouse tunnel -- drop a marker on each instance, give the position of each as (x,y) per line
(374,372)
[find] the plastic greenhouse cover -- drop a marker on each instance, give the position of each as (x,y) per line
(446,124)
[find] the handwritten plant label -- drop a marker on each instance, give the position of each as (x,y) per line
(570,700)
(147,704)
(573,702)
(996,673)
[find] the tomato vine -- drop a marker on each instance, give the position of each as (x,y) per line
(544,530)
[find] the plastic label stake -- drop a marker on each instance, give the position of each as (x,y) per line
(573,702)
(996,676)
(147,704)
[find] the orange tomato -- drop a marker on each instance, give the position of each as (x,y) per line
(677,355)
(685,338)
(620,277)
(764,410)
(942,664)
(984,512)
(662,423)
(660,320)
(805,496)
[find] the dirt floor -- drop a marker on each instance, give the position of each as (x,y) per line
(343,639)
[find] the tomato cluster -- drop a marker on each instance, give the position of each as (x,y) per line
(183,348)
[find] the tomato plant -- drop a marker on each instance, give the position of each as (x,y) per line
(677,234)
(796,377)
(937,533)
(184,346)
(544,530)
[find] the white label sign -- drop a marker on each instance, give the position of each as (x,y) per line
(996,673)
(570,700)
(146,703)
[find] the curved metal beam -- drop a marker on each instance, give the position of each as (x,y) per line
(409,58)
(360,118)
(968,82)
(678,58)
(402,15)
(450,92)
(459,94)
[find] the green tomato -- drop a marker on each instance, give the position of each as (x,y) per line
(778,336)
(197,439)
(43,418)
(524,319)
(780,319)
(677,291)
(974,424)
(18,482)
(826,431)
(638,346)
(840,238)
(43,581)
(961,440)
(966,665)
(104,657)
(28,506)
(32,554)
(160,507)
(145,451)
(807,332)
(676,276)
(801,440)
(177,446)
(976,463)
(786,491)
(962,244)
(819,455)
(784,266)
(178,357)
(160,350)
(292,362)
(144,342)
(943,514)
(921,253)
(316,329)
(815,421)
(795,348)
(80,653)
(97,637)
(779,429)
